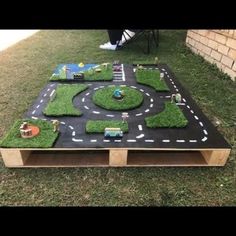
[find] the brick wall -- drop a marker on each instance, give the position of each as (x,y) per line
(216,46)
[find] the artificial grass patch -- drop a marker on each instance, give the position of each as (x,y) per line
(171,117)
(105,74)
(152,79)
(104,98)
(98,126)
(45,138)
(62,104)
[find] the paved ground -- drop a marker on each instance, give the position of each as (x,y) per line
(11,37)
(199,133)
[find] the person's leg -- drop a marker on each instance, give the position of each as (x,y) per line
(115,35)
(115,38)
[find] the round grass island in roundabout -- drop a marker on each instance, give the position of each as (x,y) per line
(130,99)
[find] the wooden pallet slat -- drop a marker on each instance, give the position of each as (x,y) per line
(115,157)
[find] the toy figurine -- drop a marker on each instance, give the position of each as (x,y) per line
(124,116)
(140,67)
(176,98)
(117,62)
(105,65)
(156,60)
(56,124)
(162,76)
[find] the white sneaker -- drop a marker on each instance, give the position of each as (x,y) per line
(108,46)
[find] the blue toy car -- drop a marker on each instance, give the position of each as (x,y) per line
(113,133)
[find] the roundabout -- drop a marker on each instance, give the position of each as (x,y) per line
(131,99)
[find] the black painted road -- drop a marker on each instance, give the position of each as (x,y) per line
(199,133)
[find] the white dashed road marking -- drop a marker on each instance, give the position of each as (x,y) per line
(165,140)
(110,115)
(139,114)
(86,107)
(149,140)
(83,99)
(77,140)
(204,139)
(180,141)
(93,140)
(71,127)
(140,127)
(96,112)
(192,140)
(147,110)
(33,112)
(205,132)
(140,136)
(131,140)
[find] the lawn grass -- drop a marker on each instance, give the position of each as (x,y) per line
(152,79)
(104,98)
(106,74)
(98,126)
(30,64)
(45,139)
(170,117)
(62,104)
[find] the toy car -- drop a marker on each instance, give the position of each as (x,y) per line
(79,76)
(117,68)
(113,133)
